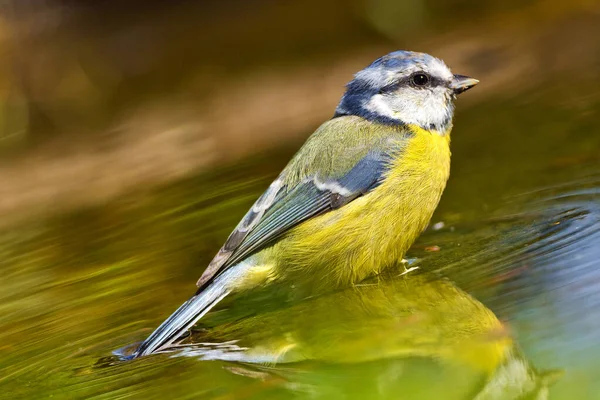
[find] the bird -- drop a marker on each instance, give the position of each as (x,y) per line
(351,201)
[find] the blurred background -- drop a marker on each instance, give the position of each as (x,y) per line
(100,97)
(135,134)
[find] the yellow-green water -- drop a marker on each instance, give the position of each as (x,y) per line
(507,288)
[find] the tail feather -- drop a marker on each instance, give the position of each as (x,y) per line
(191,311)
(182,320)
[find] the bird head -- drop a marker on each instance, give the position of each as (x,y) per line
(405,87)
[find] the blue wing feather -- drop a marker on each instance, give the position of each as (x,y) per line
(275,214)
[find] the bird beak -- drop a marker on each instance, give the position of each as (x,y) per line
(462,83)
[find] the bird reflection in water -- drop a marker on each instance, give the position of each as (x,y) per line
(430,340)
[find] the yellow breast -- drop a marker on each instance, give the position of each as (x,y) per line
(375,230)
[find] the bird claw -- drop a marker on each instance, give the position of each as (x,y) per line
(406,262)
(406,271)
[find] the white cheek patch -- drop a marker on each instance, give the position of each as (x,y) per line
(434,109)
(381,105)
(428,109)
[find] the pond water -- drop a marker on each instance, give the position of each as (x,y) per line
(504,296)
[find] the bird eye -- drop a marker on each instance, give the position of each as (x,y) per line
(420,79)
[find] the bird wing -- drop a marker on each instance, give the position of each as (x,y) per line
(283,206)
(343,159)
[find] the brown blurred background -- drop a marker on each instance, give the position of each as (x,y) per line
(98,98)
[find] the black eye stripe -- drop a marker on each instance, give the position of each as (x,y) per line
(407,81)
(435,81)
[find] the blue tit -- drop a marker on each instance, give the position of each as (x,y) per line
(351,201)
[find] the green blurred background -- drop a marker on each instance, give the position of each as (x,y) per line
(98,97)
(135,134)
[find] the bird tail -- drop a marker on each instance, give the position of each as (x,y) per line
(191,311)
